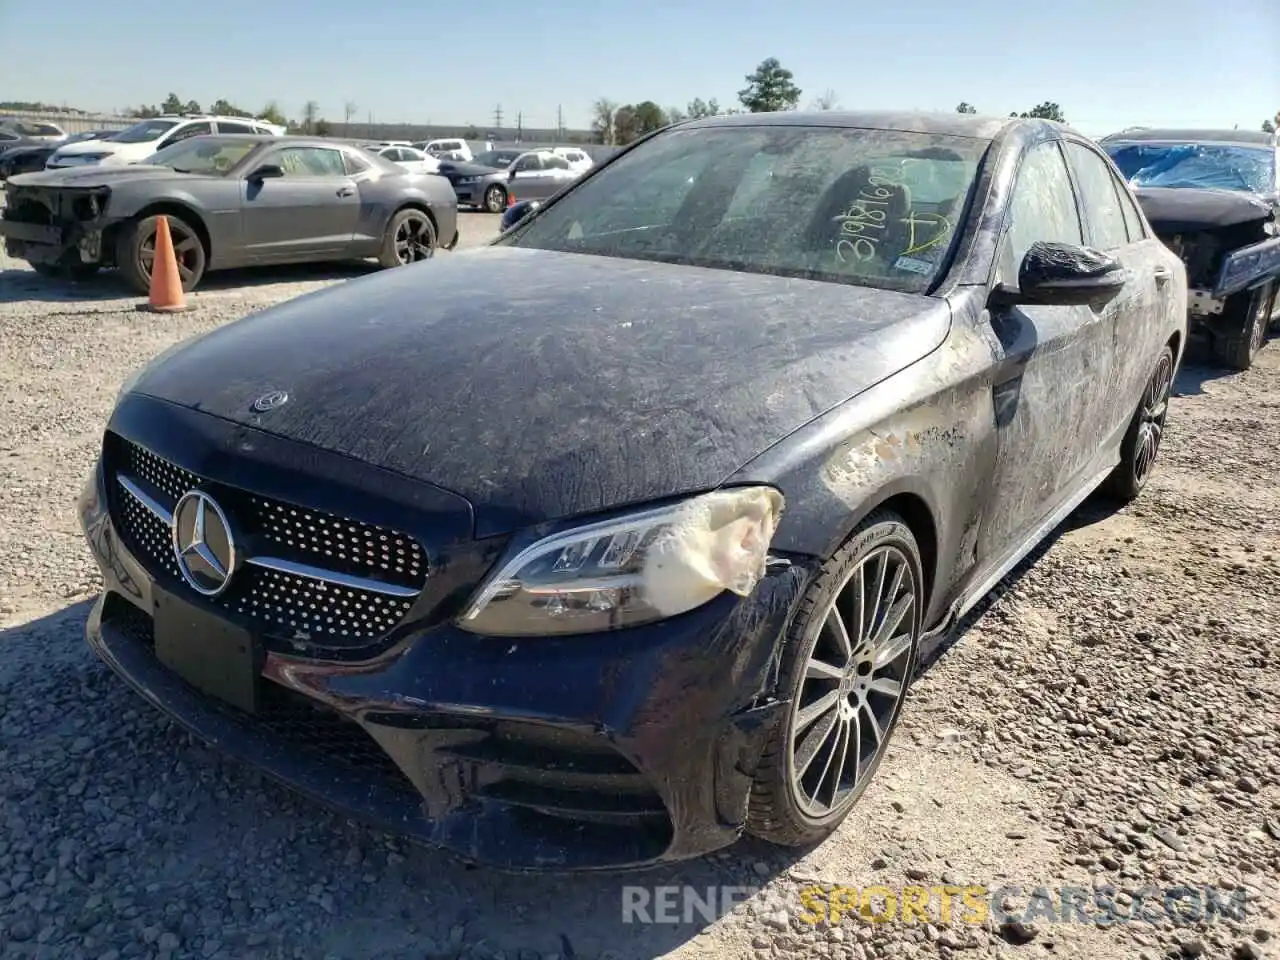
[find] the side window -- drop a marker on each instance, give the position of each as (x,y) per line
(1099,198)
(1132,219)
(227,126)
(355,164)
(526,164)
(311,162)
(556,163)
(204,128)
(1042,208)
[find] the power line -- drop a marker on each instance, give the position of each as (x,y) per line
(497,117)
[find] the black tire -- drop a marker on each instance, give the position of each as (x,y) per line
(135,250)
(1141,443)
(495,198)
(780,808)
(1242,329)
(410,238)
(49,270)
(1273,324)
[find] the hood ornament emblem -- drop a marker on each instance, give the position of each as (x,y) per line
(269,401)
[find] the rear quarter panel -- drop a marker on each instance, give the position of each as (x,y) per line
(381,198)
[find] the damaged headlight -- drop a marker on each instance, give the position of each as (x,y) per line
(636,569)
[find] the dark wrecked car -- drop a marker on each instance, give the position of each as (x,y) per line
(232,200)
(606,542)
(1213,197)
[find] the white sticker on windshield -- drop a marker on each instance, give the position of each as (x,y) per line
(913,264)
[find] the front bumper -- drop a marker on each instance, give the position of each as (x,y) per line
(576,753)
(48,226)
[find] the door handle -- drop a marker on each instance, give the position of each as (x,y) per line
(346,191)
(1162,274)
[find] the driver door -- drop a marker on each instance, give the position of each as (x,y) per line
(311,212)
(1049,381)
(532,179)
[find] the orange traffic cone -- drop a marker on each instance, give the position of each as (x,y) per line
(166,284)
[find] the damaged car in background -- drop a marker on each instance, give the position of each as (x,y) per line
(232,200)
(1214,198)
(603,543)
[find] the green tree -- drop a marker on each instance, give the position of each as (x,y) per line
(675,115)
(1044,111)
(225,108)
(471,133)
(171,104)
(273,114)
(322,128)
(310,113)
(1268,126)
(771,87)
(698,108)
(966,107)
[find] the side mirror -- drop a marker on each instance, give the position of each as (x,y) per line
(1066,275)
(511,173)
(517,212)
(268,171)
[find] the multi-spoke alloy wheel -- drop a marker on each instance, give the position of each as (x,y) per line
(410,238)
(1151,417)
(852,653)
(1141,442)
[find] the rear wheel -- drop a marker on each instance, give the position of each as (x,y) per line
(495,198)
(1141,442)
(849,658)
(136,252)
(410,238)
(1243,327)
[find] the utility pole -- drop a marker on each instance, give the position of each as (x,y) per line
(497,117)
(519,127)
(559,123)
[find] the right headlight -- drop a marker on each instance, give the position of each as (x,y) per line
(636,569)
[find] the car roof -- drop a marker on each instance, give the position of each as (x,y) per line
(942,123)
(1171,135)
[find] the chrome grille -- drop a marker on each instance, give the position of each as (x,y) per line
(310,575)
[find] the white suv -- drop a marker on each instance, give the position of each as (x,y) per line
(144,138)
(578,159)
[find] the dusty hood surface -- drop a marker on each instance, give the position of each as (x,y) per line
(541,385)
(1184,209)
(97,176)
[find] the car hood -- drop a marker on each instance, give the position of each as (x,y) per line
(541,385)
(1186,209)
(100,176)
(90,146)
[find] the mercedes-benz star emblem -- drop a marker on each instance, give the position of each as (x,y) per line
(203,544)
(269,401)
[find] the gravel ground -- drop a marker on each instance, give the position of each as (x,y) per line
(1112,717)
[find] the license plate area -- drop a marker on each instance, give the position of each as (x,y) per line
(214,656)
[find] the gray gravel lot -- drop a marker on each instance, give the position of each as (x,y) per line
(1113,717)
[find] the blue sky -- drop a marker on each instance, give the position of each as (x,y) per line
(1109,63)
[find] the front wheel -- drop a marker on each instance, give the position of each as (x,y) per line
(1141,441)
(136,253)
(849,658)
(495,198)
(1243,327)
(410,238)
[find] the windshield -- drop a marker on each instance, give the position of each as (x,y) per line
(202,155)
(1220,166)
(144,131)
(870,207)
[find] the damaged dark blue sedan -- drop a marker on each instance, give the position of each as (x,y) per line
(603,544)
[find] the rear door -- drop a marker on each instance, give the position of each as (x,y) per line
(310,212)
(1137,318)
